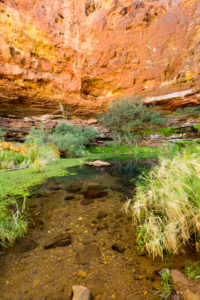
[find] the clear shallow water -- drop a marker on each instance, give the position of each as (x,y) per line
(87,206)
(126,171)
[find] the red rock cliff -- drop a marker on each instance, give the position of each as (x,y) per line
(82,53)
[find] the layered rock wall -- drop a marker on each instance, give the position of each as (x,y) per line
(77,55)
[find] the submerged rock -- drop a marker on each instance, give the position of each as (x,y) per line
(36,223)
(98,163)
(74,188)
(61,240)
(88,254)
(54,186)
(81,293)
(102,214)
(70,197)
(87,201)
(96,285)
(119,247)
(27,244)
(94,192)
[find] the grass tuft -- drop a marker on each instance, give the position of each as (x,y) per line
(12,221)
(192,270)
(166,208)
(165,286)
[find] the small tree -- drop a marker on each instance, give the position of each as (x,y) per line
(127,115)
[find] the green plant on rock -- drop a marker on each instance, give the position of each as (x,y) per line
(166,207)
(197,127)
(168,131)
(140,238)
(127,115)
(192,270)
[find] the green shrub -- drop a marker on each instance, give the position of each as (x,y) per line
(71,140)
(69,145)
(192,111)
(169,131)
(127,115)
(89,135)
(37,136)
(65,128)
(166,207)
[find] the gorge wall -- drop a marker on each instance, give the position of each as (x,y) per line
(77,55)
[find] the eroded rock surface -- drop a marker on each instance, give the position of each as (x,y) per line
(77,55)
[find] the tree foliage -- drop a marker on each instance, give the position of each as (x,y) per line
(127,115)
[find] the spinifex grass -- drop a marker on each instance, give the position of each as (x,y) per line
(166,208)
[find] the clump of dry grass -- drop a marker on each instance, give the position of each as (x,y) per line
(41,156)
(166,208)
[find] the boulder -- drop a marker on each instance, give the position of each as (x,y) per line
(186,288)
(81,293)
(91,122)
(98,163)
(61,240)
(180,281)
(89,253)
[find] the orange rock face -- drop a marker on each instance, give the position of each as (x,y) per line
(74,56)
